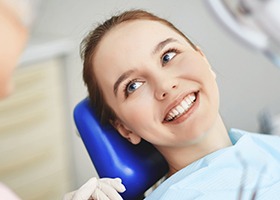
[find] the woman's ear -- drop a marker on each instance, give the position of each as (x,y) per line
(126,133)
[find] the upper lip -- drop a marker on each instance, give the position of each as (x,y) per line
(176,102)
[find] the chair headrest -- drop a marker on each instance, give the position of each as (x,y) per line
(139,166)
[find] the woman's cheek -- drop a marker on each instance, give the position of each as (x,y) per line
(141,106)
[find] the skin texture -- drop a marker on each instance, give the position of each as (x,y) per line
(162,69)
(13,36)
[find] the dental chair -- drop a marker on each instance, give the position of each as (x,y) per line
(139,166)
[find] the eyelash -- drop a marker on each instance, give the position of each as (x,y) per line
(126,94)
(174,50)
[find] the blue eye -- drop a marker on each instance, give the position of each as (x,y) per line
(132,86)
(168,56)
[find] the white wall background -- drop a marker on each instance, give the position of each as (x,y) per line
(248,81)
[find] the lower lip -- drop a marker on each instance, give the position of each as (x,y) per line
(187,114)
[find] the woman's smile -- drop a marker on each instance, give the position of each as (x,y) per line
(182,109)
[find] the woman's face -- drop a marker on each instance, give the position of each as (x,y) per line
(161,89)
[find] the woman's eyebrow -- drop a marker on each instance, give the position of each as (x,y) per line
(162,44)
(121,79)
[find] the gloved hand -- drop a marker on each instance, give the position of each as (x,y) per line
(98,189)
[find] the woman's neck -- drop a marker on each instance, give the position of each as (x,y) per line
(216,138)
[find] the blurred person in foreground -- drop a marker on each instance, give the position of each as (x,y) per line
(13,37)
(15,20)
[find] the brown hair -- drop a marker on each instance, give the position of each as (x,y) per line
(89,46)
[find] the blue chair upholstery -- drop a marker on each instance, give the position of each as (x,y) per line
(139,166)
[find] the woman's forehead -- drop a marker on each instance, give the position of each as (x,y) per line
(134,36)
(138,29)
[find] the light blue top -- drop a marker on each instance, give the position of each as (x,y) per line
(220,174)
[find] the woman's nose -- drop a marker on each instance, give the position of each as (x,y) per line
(164,88)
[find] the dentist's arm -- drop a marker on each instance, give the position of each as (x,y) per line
(98,189)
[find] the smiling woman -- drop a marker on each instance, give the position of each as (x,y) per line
(149,81)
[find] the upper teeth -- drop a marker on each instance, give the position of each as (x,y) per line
(181,108)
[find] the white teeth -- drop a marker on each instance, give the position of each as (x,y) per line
(184,104)
(192,97)
(175,112)
(181,108)
(189,101)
